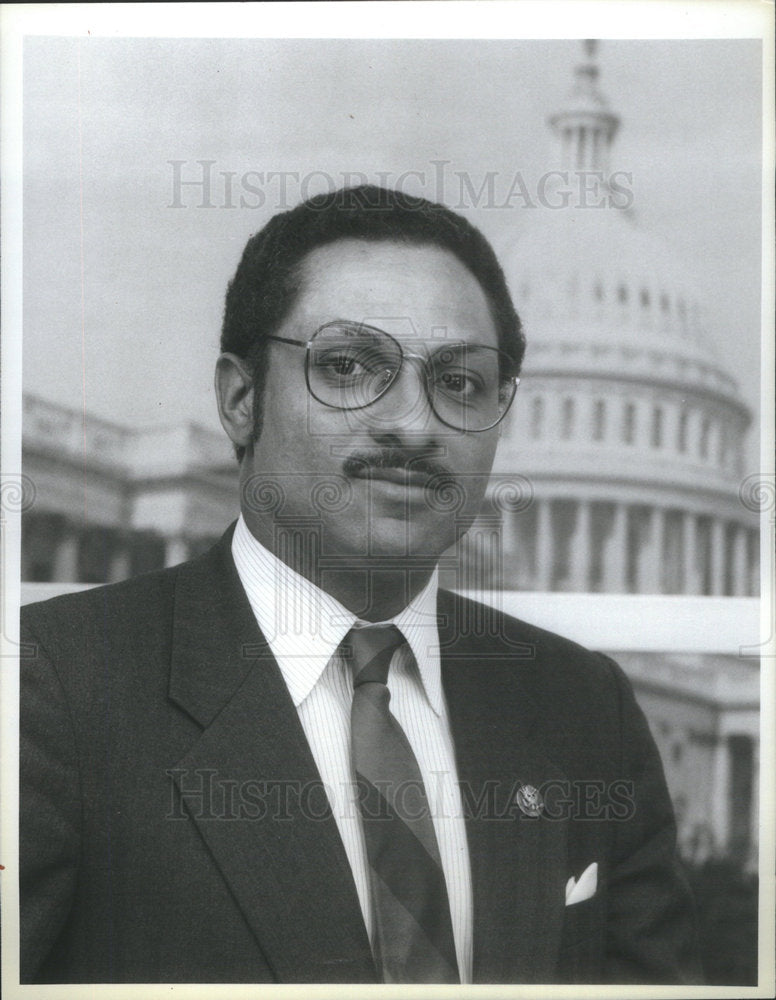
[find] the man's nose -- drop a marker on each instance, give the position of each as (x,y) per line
(405,408)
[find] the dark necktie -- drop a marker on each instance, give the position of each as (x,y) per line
(413,939)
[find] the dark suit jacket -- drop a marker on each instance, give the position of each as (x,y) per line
(173,826)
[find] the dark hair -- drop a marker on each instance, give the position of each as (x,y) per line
(265,286)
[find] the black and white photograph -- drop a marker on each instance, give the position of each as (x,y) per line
(388,497)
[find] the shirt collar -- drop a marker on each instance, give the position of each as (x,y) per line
(304,625)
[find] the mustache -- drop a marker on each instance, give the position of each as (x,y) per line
(394,458)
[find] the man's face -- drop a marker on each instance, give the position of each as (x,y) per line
(389,480)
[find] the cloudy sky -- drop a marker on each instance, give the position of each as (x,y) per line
(125,268)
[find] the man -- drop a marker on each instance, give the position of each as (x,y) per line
(295,759)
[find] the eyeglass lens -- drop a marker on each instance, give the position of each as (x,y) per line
(351,366)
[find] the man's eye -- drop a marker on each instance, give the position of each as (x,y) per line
(353,363)
(343,365)
(458,383)
(339,364)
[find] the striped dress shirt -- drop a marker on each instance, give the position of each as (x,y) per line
(304,627)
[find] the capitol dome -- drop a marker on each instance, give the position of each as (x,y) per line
(601,269)
(627,436)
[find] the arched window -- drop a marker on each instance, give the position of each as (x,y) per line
(537,417)
(665,304)
(567,421)
(622,294)
(644,298)
(629,424)
(598,292)
(599,420)
(704,441)
(723,446)
(657,427)
(681,432)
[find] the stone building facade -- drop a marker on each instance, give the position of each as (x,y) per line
(111,502)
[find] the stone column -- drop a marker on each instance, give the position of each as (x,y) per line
(509,548)
(483,565)
(754,558)
(545,545)
(616,552)
(176,551)
(720,794)
(580,548)
(66,557)
(740,562)
(120,564)
(755,827)
(717,556)
(690,554)
(651,554)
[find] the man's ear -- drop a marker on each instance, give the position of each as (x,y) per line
(234,392)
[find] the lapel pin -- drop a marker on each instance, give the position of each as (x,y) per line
(530,800)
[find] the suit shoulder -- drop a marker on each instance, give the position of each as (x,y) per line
(581,699)
(546,662)
(516,631)
(137,601)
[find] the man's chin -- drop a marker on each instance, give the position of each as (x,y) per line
(388,540)
(407,542)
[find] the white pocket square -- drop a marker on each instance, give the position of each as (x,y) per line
(584,887)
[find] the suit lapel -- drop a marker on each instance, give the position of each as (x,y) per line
(518,863)
(275,841)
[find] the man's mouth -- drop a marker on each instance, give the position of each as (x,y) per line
(395,467)
(392,474)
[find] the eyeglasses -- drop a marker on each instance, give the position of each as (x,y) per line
(350,365)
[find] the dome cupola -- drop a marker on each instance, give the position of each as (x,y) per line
(585,126)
